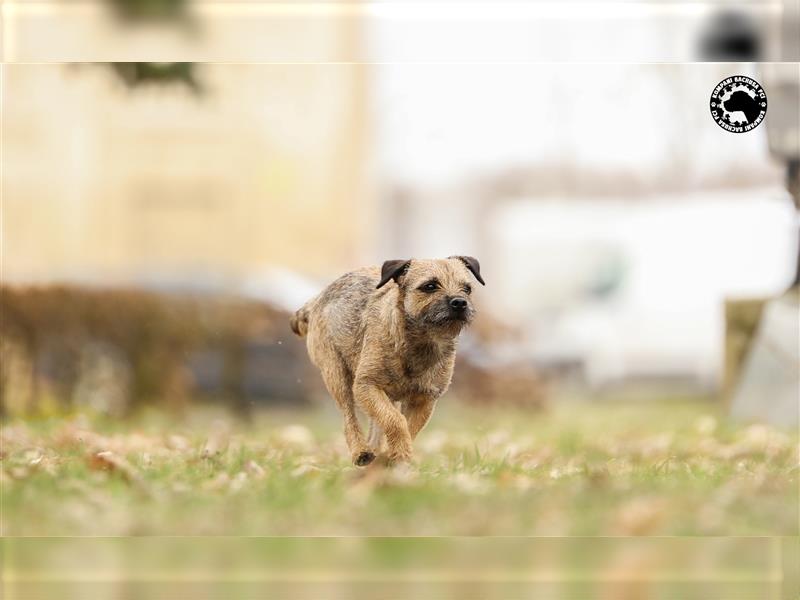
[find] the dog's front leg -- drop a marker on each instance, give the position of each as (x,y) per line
(378,407)
(376,438)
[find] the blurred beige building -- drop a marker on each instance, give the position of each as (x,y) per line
(263,167)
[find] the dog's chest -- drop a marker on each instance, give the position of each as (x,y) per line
(425,374)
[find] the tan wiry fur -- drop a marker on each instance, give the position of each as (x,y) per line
(388,349)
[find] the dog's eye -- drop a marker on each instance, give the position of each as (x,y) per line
(467,289)
(431,286)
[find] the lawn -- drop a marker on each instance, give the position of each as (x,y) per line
(578,469)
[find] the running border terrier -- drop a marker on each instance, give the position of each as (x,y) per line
(384,341)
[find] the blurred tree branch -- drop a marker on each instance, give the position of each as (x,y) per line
(135,74)
(139,11)
(148,12)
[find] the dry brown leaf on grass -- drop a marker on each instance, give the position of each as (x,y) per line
(70,436)
(41,461)
(111,462)
(34,457)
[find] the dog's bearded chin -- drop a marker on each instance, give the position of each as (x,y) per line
(450,322)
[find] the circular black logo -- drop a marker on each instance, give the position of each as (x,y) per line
(738,104)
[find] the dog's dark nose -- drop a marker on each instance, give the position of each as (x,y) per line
(458,304)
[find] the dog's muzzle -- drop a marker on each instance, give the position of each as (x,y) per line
(459,309)
(455,311)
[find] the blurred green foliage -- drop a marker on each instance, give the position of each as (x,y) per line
(137,74)
(150,10)
(144,12)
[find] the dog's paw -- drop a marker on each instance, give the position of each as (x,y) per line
(364,458)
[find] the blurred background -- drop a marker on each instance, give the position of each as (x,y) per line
(161,220)
(179,176)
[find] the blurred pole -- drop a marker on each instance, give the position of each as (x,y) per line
(782,83)
(790,32)
(783,128)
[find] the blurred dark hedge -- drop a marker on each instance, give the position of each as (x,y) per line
(164,348)
(118,350)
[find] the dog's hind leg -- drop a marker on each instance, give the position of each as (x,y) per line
(360,452)
(375,436)
(339,383)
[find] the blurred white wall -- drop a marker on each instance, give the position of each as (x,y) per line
(441,124)
(674,261)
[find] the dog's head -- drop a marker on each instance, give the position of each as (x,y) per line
(435,293)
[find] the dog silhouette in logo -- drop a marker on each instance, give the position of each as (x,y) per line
(742,102)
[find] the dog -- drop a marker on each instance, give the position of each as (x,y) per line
(384,341)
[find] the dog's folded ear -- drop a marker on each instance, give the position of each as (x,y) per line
(392,269)
(473,265)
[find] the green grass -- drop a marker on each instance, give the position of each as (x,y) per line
(579,469)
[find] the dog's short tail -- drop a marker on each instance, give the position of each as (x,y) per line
(299,321)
